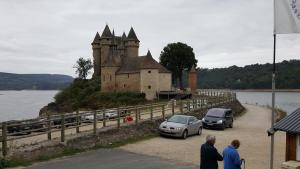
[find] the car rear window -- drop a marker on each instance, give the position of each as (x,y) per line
(215,113)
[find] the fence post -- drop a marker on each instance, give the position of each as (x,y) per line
(188,105)
(4,139)
(77,121)
(95,123)
(49,126)
(173,107)
(163,111)
(119,116)
(136,115)
(194,104)
(181,107)
(151,111)
(104,118)
(62,133)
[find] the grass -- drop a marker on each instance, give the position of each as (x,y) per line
(68,151)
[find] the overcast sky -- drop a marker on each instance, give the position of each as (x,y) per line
(48,36)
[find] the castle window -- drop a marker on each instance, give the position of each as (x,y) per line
(124,85)
(103,78)
(128,75)
(149,71)
(110,77)
(149,87)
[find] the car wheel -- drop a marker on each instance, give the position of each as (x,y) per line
(185,134)
(199,131)
(223,126)
(231,125)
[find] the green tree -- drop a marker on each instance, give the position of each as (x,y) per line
(178,57)
(83,67)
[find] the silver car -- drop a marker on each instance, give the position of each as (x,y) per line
(181,126)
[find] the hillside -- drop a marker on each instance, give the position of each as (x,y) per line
(10,81)
(257,76)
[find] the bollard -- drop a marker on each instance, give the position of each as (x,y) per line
(77,121)
(95,123)
(62,133)
(49,126)
(119,116)
(4,139)
(151,111)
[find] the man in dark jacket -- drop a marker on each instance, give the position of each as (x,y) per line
(209,154)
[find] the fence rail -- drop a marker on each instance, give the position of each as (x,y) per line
(65,124)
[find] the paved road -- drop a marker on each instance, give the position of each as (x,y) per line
(111,159)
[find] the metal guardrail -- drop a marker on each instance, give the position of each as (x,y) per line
(63,124)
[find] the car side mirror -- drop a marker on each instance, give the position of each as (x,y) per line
(191,122)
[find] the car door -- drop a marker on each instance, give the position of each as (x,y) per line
(193,125)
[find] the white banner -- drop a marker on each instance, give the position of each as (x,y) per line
(287,16)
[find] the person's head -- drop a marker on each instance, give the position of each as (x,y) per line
(235,143)
(211,139)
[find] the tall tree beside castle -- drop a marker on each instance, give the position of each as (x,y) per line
(178,57)
(118,64)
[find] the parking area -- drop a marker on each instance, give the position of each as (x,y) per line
(250,129)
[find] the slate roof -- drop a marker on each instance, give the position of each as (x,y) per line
(106,32)
(290,123)
(136,64)
(132,35)
(96,39)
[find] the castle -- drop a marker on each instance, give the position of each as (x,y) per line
(118,64)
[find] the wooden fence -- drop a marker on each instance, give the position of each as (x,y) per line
(59,126)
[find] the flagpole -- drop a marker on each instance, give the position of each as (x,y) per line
(273,103)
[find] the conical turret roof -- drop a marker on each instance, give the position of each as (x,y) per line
(96,39)
(132,35)
(106,32)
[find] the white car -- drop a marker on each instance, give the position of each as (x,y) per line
(110,114)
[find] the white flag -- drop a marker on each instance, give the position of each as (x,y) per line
(287,16)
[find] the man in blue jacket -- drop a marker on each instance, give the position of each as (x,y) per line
(231,156)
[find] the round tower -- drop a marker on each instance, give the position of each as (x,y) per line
(193,79)
(97,55)
(132,44)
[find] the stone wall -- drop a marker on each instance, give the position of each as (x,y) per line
(128,82)
(150,83)
(108,79)
(165,81)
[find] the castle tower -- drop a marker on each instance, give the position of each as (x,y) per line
(105,43)
(193,79)
(97,55)
(132,44)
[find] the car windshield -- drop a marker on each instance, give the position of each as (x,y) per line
(178,119)
(215,113)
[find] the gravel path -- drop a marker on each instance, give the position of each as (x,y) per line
(250,129)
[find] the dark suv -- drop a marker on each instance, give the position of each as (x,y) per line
(218,118)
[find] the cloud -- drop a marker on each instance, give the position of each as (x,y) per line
(48,36)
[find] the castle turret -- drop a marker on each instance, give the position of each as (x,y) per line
(96,55)
(105,42)
(193,79)
(132,44)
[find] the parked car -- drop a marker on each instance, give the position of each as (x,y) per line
(181,126)
(90,117)
(70,120)
(110,114)
(218,118)
(19,127)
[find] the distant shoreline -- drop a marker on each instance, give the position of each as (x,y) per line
(267,90)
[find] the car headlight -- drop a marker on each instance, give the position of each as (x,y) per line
(203,119)
(220,121)
(178,128)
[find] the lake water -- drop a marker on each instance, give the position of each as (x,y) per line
(287,101)
(25,104)
(17,105)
